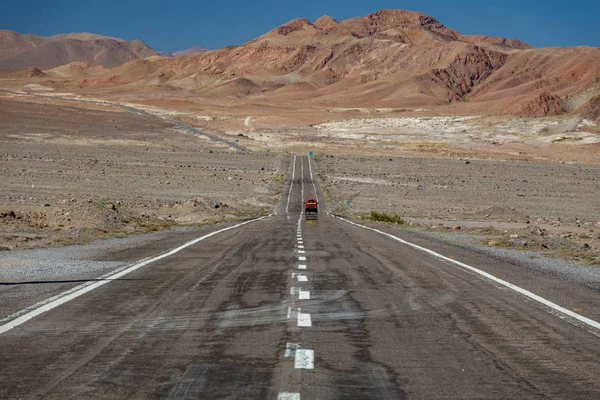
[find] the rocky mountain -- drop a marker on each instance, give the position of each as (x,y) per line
(186,52)
(24,50)
(388,59)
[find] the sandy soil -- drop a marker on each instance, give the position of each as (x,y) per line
(507,198)
(261,124)
(64,153)
(72,174)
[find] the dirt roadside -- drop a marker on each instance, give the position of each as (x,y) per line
(72,174)
(282,126)
(553,208)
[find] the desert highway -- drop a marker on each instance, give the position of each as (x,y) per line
(278,308)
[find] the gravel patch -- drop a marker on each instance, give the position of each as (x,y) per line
(566,270)
(30,276)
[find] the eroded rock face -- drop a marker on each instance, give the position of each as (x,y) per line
(542,105)
(469,69)
(513,43)
(385,20)
(388,59)
(294,26)
(23,72)
(591,109)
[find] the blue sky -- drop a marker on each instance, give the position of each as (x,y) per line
(177,25)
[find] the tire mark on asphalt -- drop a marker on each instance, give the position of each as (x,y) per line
(83,289)
(559,311)
(133,330)
(459,320)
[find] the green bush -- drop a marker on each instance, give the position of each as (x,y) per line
(384,217)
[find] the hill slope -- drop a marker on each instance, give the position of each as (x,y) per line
(17,50)
(391,58)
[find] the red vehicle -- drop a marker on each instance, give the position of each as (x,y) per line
(311,209)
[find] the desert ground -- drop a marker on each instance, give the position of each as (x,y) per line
(533,206)
(292,126)
(74,171)
(71,174)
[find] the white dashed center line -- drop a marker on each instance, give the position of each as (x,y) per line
(305,359)
(299,277)
(291,313)
(288,396)
(304,320)
(304,294)
(290,349)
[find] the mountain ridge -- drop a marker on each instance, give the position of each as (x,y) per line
(390,58)
(28,50)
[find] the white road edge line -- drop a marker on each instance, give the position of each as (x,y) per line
(312,180)
(302,191)
(287,207)
(73,294)
(524,292)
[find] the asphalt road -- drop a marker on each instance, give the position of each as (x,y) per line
(280,308)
